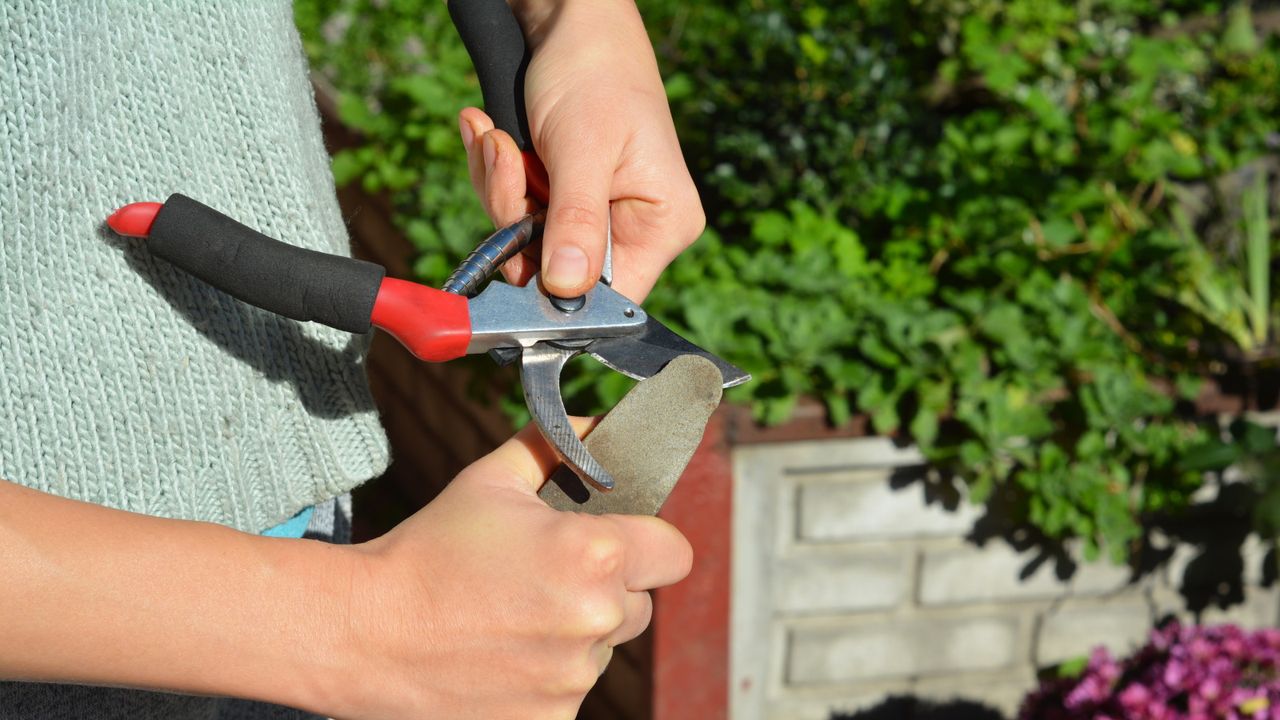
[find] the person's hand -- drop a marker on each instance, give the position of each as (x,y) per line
(486,604)
(489,604)
(599,119)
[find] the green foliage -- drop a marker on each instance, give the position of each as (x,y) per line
(1257,231)
(960,217)
(401,81)
(1072,668)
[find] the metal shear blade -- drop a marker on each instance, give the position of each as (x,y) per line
(643,355)
(545,333)
(540,368)
(639,350)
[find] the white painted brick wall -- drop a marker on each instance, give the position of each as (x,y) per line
(809,705)
(996,572)
(902,648)
(1257,611)
(862,505)
(849,587)
(843,581)
(1253,554)
(1000,688)
(1072,631)
(1003,690)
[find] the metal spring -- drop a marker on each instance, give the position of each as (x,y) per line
(491,253)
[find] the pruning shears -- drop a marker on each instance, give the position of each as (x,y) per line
(514,324)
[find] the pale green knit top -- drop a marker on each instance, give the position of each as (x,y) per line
(124,381)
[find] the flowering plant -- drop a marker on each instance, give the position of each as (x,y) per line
(1182,673)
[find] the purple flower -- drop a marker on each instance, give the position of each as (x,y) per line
(1182,673)
(1134,698)
(1209,688)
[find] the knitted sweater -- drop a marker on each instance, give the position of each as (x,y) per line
(124,381)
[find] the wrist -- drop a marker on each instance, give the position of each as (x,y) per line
(310,649)
(359,606)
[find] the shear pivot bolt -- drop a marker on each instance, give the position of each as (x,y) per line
(569,304)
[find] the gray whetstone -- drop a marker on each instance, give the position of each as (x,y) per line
(645,442)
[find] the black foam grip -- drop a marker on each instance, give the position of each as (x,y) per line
(285,279)
(497,48)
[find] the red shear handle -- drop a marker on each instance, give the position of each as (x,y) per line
(535,175)
(301,284)
(434,325)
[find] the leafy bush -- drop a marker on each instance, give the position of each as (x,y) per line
(998,228)
(404,76)
(1183,672)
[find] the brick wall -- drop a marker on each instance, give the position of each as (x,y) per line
(853,580)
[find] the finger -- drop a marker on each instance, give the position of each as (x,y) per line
(525,461)
(648,235)
(601,654)
(577,217)
(504,182)
(473,125)
(520,269)
(638,611)
(657,554)
(504,197)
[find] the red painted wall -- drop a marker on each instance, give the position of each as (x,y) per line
(691,619)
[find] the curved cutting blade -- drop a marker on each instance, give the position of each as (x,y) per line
(646,440)
(643,355)
(540,368)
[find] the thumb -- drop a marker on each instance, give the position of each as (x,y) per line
(573,242)
(524,462)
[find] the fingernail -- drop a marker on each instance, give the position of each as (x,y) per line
(464,128)
(490,151)
(567,267)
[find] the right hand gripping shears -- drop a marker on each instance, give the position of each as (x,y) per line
(521,324)
(514,324)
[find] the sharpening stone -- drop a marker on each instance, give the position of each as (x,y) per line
(645,441)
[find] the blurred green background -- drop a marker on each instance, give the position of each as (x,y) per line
(1026,236)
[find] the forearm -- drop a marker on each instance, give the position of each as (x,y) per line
(100,596)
